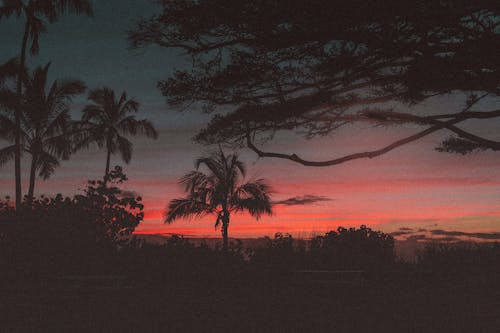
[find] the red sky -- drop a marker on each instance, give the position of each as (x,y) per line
(413,186)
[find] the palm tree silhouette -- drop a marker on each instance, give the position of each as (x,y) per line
(219,192)
(46,126)
(108,120)
(36,13)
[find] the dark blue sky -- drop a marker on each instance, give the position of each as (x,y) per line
(96,51)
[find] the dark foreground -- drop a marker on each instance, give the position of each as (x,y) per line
(345,281)
(264,304)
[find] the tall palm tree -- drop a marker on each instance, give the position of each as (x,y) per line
(108,120)
(46,126)
(37,14)
(220,193)
(8,105)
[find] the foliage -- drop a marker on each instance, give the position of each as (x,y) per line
(361,249)
(318,66)
(63,233)
(460,261)
(180,262)
(352,248)
(278,253)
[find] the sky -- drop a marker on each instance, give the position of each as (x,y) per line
(411,190)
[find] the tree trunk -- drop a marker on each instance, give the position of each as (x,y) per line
(225,226)
(18,111)
(31,190)
(108,159)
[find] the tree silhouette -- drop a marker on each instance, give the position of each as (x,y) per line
(8,100)
(46,125)
(106,122)
(319,66)
(59,233)
(220,193)
(36,14)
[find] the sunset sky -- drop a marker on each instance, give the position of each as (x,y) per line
(412,187)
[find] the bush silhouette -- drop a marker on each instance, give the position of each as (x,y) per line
(62,234)
(352,248)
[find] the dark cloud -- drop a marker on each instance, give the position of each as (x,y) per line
(416,237)
(446,239)
(400,233)
(302,200)
(480,235)
(405,229)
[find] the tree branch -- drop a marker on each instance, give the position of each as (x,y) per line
(346,158)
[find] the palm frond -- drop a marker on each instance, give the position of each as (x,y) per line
(253,197)
(58,123)
(128,106)
(212,164)
(100,95)
(63,91)
(59,146)
(195,180)
(83,136)
(8,99)
(186,208)
(76,7)
(9,69)
(146,128)
(91,112)
(130,125)
(46,164)
(11,7)
(125,148)
(6,154)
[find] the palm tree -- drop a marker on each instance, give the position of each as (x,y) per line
(36,14)
(106,122)
(220,193)
(46,126)
(8,104)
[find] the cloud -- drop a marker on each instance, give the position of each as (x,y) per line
(400,233)
(480,235)
(446,239)
(302,200)
(416,237)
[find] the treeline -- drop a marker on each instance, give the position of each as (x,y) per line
(91,234)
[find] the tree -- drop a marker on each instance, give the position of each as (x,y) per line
(107,120)
(352,249)
(46,126)
(318,66)
(37,14)
(75,233)
(220,193)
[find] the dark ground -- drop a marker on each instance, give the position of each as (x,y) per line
(276,305)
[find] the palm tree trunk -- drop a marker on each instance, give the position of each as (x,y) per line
(108,159)
(31,190)
(18,111)
(225,226)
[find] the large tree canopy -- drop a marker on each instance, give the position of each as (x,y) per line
(316,66)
